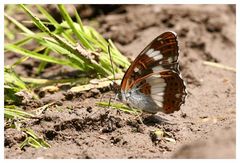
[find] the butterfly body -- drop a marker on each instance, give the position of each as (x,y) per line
(136,99)
(153,82)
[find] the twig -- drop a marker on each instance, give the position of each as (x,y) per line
(95,83)
(217,65)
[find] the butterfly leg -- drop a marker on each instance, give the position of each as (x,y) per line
(101,97)
(138,116)
(109,102)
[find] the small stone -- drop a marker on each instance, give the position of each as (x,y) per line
(89,109)
(69,96)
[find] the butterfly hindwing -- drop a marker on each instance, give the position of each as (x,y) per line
(166,88)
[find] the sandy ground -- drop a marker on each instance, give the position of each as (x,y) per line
(204,128)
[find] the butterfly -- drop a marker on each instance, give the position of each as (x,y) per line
(153,82)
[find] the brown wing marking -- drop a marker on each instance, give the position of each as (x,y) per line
(174,93)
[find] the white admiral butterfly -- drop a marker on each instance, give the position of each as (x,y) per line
(153,82)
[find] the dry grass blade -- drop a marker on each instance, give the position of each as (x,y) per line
(217,65)
(93,84)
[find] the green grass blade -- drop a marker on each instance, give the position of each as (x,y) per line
(49,17)
(11,113)
(67,17)
(35,19)
(79,21)
(19,25)
(33,140)
(12,80)
(119,58)
(24,143)
(12,85)
(34,143)
(19,61)
(119,106)
(7,32)
(31,133)
(53,22)
(36,138)
(75,61)
(23,41)
(43,28)
(43,63)
(35,55)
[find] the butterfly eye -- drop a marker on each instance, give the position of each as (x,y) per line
(119,96)
(115,87)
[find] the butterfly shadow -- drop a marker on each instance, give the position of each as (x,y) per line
(153,119)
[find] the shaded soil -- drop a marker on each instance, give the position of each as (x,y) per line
(204,128)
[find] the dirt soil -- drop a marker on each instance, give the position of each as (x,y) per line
(204,128)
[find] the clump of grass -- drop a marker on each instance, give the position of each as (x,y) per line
(69,44)
(77,45)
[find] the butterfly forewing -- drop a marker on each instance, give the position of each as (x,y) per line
(160,54)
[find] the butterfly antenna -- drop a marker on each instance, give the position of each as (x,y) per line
(110,56)
(114,78)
